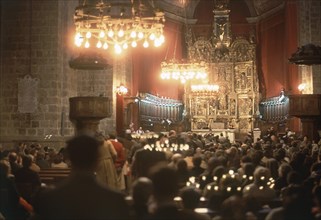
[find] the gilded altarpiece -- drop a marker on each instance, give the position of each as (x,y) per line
(233,69)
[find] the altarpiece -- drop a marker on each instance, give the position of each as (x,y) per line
(231,66)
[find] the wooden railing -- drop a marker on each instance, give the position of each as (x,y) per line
(275,109)
(52,176)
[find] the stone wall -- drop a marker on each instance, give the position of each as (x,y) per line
(310,32)
(34,43)
(37,43)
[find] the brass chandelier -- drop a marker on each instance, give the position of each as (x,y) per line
(118,25)
(185,69)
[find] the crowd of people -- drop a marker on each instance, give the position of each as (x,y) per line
(155,176)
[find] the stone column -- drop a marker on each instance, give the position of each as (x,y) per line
(87,111)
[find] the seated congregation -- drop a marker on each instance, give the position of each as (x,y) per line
(164,176)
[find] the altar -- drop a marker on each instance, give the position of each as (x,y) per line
(228,133)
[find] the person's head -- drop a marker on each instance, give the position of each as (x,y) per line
(41,155)
(293,178)
(272,165)
(26,161)
(233,208)
(165,182)
(142,190)
(181,165)
(58,158)
(190,197)
(83,152)
(296,203)
(112,135)
(249,169)
(218,172)
(176,157)
(172,133)
(197,160)
(261,175)
(13,157)
(280,154)
(284,170)
(256,157)
(246,159)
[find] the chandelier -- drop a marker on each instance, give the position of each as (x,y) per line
(184,71)
(118,25)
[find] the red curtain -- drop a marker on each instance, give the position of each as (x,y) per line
(278,39)
(147,64)
(272,32)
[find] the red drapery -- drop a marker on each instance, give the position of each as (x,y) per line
(147,64)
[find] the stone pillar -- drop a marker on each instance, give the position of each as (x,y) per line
(86,112)
(119,114)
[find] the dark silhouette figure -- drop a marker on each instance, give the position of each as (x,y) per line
(9,197)
(81,196)
(27,180)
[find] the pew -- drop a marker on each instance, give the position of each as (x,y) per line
(52,176)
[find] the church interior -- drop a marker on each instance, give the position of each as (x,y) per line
(220,65)
(208,86)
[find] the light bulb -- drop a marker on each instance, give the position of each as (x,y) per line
(99,44)
(110,33)
(121,33)
(118,49)
(152,36)
(134,44)
(162,39)
(88,34)
(157,42)
(102,34)
(133,34)
(125,46)
(87,45)
(105,46)
(145,44)
(78,43)
(140,35)
(78,39)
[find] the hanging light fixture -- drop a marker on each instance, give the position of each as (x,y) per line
(184,71)
(118,25)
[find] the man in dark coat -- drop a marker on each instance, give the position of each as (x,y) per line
(81,196)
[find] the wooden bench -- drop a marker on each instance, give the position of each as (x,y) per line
(52,176)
